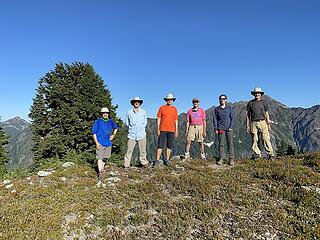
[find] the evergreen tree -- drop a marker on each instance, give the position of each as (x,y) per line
(67,102)
(282,148)
(291,151)
(3,153)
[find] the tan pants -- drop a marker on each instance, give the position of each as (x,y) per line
(142,149)
(194,132)
(262,127)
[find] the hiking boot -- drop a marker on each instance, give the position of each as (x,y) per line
(232,162)
(187,156)
(271,157)
(203,156)
(220,162)
(166,162)
(156,164)
(256,156)
(126,169)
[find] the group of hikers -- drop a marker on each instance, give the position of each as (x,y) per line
(257,121)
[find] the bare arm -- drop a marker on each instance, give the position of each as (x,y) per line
(248,123)
(158,126)
(176,133)
(98,145)
(187,128)
(204,128)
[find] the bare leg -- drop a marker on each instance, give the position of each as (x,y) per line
(168,153)
(159,152)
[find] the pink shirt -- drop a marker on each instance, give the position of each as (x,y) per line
(196,117)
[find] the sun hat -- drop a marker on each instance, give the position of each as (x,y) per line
(136,99)
(104,110)
(169,97)
(257,90)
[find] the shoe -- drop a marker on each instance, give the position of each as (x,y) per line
(256,156)
(156,163)
(140,165)
(220,162)
(271,157)
(203,156)
(166,163)
(232,163)
(126,169)
(187,156)
(101,175)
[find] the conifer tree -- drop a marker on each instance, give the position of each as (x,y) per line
(67,102)
(4,159)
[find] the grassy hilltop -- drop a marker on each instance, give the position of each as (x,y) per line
(197,200)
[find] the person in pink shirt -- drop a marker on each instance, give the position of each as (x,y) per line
(196,127)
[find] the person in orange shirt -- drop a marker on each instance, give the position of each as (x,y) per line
(167,130)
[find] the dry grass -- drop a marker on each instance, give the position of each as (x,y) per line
(197,200)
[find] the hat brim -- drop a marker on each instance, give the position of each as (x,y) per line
(133,101)
(104,112)
(253,92)
(166,99)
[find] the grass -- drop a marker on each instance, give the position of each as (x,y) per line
(197,200)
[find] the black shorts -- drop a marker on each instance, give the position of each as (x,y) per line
(165,140)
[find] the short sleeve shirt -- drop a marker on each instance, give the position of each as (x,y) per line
(257,109)
(196,117)
(168,115)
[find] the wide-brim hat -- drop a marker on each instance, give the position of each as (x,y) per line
(136,99)
(104,110)
(169,97)
(257,90)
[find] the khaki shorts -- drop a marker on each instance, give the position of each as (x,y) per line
(195,131)
(103,152)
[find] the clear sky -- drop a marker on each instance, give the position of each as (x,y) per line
(147,48)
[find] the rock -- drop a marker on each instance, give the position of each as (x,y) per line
(9,186)
(13,191)
(6,182)
(28,178)
(312,188)
(63,179)
(113,179)
(44,173)
(176,158)
(68,164)
(113,174)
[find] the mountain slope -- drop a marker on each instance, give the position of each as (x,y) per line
(188,200)
(19,147)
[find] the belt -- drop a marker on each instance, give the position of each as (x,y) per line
(195,126)
(259,120)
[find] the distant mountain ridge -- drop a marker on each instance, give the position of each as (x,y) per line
(299,127)
(19,132)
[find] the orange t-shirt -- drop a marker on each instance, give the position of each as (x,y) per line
(168,115)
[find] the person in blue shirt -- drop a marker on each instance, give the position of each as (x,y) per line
(104,130)
(136,121)
(223,122)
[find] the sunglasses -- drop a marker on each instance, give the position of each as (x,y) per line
(195,102)
(222,98)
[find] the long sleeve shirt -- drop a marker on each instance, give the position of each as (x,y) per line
(223,118)
(136,122)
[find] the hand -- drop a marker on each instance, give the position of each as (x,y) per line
(158,132)
(98,146)
(230,129)
(248,129)
(186,132)
(176,134)
(204,134)
(111,137)
(217,132)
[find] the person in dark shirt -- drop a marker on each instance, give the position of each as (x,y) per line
(223,122)
(258,120)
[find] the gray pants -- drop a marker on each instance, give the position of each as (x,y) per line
(142,149)
(221,138)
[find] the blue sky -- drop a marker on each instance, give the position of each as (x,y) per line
(192,48)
